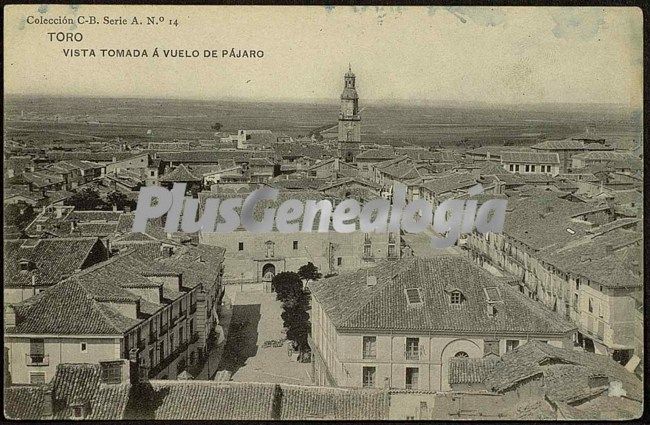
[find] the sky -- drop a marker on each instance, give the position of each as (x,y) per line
(495,55)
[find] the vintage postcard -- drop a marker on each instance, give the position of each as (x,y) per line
(323,212)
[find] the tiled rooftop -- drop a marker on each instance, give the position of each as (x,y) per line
(351,304)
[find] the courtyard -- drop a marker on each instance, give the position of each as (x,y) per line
(255,320)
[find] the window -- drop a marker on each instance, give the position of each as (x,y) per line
(527,168)
(413,295)
(412,349)
(591,306)
(295,244)
(412,374)
(512,167)
(532,168)
(367,250)
(192,357)
(516,167)
(456,298)
(111,372)
(369,347)
(37,378)
(83,347)
(180,335)
(37,350)
(151,356)
(191,328)
(461,354)
(241,246)
(369,376)
(162,350)
(339,261)
(511,344)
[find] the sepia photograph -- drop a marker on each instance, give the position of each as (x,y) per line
(323,212)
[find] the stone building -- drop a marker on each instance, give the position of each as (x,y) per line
(398,324)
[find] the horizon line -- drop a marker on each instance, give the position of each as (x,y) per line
(416,102)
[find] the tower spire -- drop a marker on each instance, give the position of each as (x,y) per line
(349,67)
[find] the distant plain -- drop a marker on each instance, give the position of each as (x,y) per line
(50,119)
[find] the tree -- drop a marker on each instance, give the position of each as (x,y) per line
(120,200)
(295,303)
(19,215)
(287,285)
(216,126)
(309,272)
(86,200)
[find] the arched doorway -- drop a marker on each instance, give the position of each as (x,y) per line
(268,273)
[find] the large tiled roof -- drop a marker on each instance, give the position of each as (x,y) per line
(71,308)
(449,182)
(351,304)
(180,174)
(530,157)
(607,156)
(343,404)
(73,384)
(465,370)
(566,371)
(541,219)
(53,259)
(24,402)
(589,257)
(208,400)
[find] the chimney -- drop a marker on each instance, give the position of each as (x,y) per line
(47,404)
(371,280)
(127,208)
(58,212)
(609,249)
(491,311)
(114,208)
(138,372)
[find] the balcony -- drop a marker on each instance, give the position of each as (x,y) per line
(155,370)
(412,354)
(163,329)
(37,359)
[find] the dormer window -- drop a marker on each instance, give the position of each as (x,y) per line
(456,298)
(413,296)
(25,265)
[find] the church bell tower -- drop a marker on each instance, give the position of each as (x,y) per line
(349,135)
